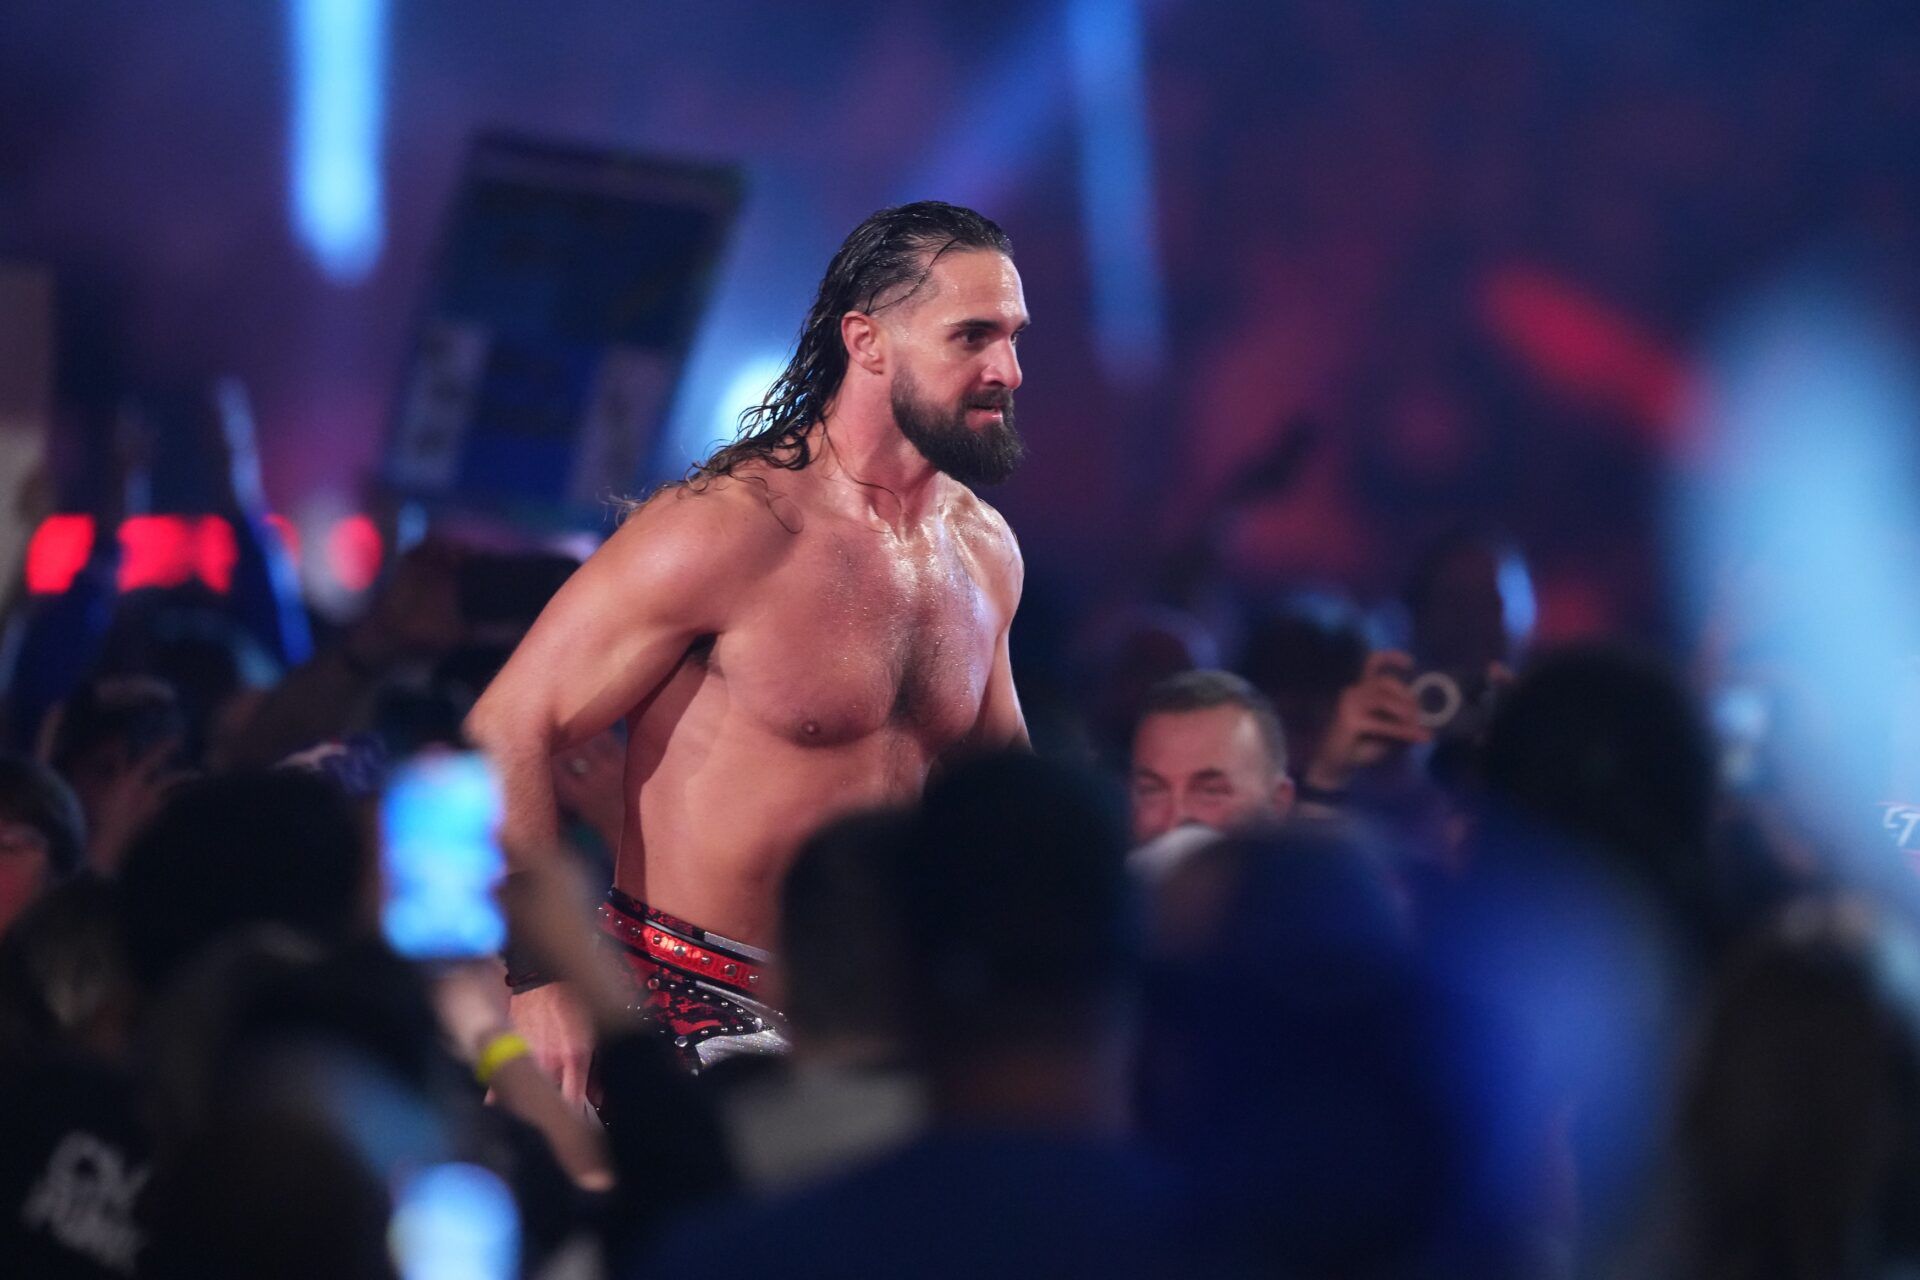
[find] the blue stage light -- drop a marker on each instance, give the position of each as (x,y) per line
(1001,127)
(747,389)
(339,79)
(1116,185)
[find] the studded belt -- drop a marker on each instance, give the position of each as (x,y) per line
(669,941)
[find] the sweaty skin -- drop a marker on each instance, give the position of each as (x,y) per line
(785,646)
(818,666)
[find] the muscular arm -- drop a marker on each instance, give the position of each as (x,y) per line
(606,641)
(1001,723)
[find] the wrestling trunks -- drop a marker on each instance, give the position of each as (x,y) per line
(705,994)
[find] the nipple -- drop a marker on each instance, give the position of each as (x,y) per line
(811,728)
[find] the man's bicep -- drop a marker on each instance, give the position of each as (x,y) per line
(608,638)
(1002,723)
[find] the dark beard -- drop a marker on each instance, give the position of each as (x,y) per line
(986,456)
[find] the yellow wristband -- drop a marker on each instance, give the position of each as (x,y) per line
(499,1051)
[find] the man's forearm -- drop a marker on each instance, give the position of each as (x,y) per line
(530,818)
(529,831)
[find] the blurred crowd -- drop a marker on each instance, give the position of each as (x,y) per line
(1320,936)
(1311,940)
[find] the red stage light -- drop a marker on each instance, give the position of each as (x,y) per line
(155,551)
(354,552)
(1586,348)
(215,552)
(57,552)
(168,551)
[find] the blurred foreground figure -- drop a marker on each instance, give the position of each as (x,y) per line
(1331,1132)
(805,628)
(1798,1138)
(1591,904)
(42,834)
(74,1153)
(848,1091)
(1018,950)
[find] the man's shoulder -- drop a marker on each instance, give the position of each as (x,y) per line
(751,488)
(987,535)
(969,510)
(728,516)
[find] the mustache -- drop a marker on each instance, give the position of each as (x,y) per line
(992,400)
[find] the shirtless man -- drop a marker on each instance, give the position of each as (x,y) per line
(807,627)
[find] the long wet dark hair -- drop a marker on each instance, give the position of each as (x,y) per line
(882,263)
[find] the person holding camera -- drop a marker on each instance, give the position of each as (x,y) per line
(1376,719)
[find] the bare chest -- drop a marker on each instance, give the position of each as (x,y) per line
(857,638)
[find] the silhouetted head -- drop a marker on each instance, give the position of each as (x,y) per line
(273,847)
(1800,1124)
(841,936)
(1019,920)
(1608,748)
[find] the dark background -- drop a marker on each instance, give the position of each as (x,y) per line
(1476,243)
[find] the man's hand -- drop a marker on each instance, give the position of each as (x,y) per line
(1375,719)
(560,1034)
(550,918)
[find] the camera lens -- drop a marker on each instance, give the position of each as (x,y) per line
(1436,695)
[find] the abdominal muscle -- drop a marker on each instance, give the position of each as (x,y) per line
(719,802)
